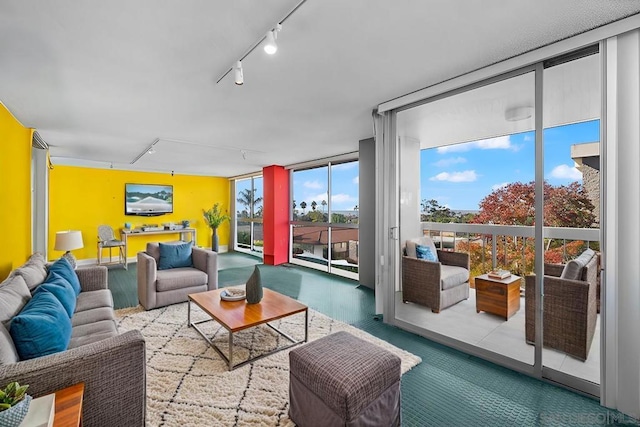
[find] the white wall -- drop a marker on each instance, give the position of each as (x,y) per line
(621,352)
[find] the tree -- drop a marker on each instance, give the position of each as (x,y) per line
(248,198)
(514,204)
(303,205)
(434,212)
(323,203)
(314,205)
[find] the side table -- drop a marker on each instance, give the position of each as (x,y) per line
(69,406)
(498,296)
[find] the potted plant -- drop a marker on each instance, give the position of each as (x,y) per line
(14,404)
(215,217)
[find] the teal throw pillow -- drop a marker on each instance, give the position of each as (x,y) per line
(425,252)
(64,269)
(61,289)
(175,255)
(41,328)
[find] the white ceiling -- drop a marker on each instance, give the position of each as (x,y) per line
(102,80)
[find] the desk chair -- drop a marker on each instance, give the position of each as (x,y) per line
(107,239)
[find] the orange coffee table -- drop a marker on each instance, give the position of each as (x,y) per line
(235,316)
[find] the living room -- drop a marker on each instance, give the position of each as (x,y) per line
(86,186)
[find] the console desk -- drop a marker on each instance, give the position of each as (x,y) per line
(183,232)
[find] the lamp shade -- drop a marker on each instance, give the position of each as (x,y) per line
(68,240)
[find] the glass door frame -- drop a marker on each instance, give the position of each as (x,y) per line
(251,219)
(391,209)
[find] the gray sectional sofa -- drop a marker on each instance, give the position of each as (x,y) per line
(111,365)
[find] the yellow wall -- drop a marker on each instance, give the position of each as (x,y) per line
(84,198)
(15,192)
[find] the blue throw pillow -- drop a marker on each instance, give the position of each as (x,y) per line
(64,269)
(41,328)
(61,289)
(175,255)
(424,252)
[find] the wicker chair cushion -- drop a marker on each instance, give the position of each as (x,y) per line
(452,276)
(410,246)
(573,269)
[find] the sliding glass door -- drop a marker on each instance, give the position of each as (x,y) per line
(504,176)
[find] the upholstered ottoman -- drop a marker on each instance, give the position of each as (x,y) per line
(342,380)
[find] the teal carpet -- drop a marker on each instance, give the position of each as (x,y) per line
(448,388)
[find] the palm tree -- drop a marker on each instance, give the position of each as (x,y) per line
(248,198)
(303,205)
(313,205)
(323,203)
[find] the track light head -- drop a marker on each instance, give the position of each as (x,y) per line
(239,75)
(270,45)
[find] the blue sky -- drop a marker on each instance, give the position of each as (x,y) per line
(312,184)
(460,176)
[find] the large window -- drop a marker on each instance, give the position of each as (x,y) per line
(249,194)
(324,225)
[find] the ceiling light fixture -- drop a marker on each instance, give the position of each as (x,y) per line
(152,150)
(239,75)
(270,45)
(515,114)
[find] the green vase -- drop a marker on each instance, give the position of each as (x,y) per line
(254,287)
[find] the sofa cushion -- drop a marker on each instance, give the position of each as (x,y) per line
(410,247)
(94,299)
(14,295)
(64,269)
(180,278)
(41,328)
(175,255)
(33,271)
(91,316)
(61,289)
(573,269)
(8,353)
(92,332)
(452,276)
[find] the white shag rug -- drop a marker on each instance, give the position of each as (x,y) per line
(188,383)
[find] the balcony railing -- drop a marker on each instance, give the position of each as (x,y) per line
(510,246)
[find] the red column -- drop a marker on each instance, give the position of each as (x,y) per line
(275,214)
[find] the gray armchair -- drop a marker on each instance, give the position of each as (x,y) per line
(436,285)
(158,288)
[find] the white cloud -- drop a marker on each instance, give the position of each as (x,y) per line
(356,180)
(465,176)
(498,143)
(566,172)
(450,161)
(343,198)
(498,186)
(315,185)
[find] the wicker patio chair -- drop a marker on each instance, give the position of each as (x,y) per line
(436,285)
(570,309)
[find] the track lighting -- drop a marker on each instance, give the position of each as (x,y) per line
(270,45)
(239,76)
(152,150)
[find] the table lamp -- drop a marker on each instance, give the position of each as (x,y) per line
(68,241)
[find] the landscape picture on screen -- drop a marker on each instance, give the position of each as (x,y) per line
(147,199)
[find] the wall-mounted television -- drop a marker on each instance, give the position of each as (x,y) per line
(148,199)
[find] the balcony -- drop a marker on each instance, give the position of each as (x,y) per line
(511,248)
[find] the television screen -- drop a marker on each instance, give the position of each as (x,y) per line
(148,199)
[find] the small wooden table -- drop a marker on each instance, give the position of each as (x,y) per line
(235,316)
(69,406)
(500,297)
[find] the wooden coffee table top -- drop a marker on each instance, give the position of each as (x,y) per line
(238,315)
